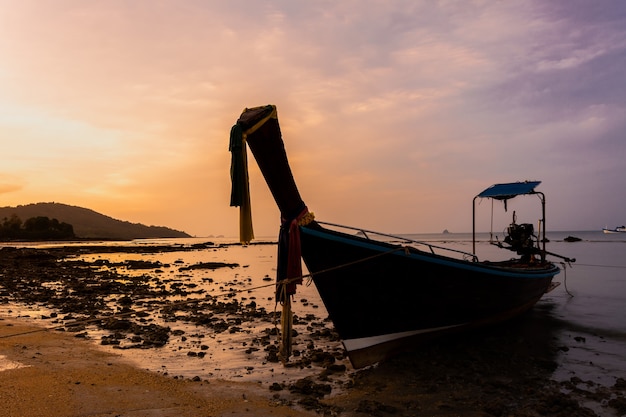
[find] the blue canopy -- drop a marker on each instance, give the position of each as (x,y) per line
(509,190)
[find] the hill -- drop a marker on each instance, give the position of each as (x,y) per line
(89,224)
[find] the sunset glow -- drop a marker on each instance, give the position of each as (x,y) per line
(394,114)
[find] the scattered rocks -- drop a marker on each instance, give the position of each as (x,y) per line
(306,386)
(116,297)
(504,373)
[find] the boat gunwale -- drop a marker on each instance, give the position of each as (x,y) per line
(399,238)
(491,268)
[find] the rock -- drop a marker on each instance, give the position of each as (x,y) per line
(276,387)
(307,387)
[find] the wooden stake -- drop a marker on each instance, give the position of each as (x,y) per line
(286,321)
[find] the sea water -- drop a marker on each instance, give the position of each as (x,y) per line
(586,314)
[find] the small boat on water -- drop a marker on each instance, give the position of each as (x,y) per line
(384,293)
(619,229)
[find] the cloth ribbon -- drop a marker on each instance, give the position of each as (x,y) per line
(240,187)
(289,240)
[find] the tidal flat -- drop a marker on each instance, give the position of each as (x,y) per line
(203,311)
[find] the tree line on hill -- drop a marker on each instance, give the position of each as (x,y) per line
(34,228)
(89,224)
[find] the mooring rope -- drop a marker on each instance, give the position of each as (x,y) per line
(232,292)
(404,249)
(564,265)
(228,293)
(286,338)
(579,264)
(602,266)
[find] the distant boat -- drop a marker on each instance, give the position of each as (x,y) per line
(619,229)
(384,296)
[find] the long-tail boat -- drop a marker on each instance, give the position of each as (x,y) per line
(386,294)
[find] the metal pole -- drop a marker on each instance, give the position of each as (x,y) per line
(543,218)
(474,226)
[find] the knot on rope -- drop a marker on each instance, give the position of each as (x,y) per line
(307,218)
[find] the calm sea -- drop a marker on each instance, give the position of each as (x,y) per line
(589,307)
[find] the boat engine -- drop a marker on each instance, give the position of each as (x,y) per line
(520,237)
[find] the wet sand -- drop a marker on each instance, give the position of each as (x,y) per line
(54,374)
(500,374)
(501,371)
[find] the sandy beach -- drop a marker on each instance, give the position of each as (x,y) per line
(51,373)
(500,371)
(55,374)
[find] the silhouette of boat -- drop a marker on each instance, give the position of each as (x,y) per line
(386,293)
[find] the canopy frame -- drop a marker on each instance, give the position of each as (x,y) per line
(505,192)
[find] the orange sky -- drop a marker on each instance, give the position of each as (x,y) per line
(395,114)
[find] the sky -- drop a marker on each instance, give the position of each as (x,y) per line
(395,114)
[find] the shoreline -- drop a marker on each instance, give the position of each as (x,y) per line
(493,374)
(65,376)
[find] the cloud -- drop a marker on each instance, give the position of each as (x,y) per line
(391,105)
(9,184)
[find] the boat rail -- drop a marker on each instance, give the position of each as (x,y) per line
(403,240)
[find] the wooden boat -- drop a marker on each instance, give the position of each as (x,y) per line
(384,295)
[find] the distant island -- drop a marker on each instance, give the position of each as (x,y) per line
(88,224)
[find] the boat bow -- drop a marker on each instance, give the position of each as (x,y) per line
(382,296)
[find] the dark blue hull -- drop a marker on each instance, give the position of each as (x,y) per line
(380,296)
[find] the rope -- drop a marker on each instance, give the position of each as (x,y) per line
(286,316)
(334,268)
(283,284)
(130,313)
(564,265)
(208,297)
(601,266)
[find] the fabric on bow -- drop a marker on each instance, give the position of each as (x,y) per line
(240,187)
(289,255)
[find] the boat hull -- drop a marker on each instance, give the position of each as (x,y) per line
(384,298)
(616,230)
